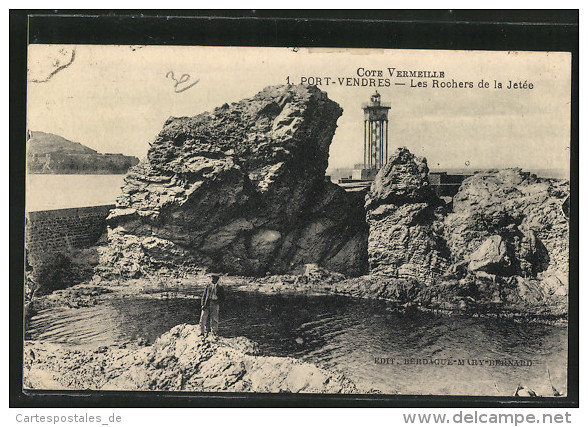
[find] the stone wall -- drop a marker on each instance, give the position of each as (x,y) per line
(64,229)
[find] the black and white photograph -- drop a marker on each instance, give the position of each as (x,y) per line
(302,220)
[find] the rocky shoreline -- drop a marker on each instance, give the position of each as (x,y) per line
(451,297)
(179,360)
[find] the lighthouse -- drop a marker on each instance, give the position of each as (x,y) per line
(375,133)
(376,152)
(375,139)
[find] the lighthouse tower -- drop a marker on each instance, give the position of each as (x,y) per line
(375,133)
(375,144)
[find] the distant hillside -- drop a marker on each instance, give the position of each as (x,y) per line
(43,143)
(52,154)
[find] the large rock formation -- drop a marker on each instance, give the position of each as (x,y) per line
(403,213)
(509,233)
(179,360)
(510,222)
(503,244)
(241,190)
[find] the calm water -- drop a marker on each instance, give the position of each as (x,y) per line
(343,334)
(45,192)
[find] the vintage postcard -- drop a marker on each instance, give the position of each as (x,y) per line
(299,220)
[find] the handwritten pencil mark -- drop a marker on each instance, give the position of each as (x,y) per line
(184,78)
(57,66)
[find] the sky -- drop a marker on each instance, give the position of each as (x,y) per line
(117,98)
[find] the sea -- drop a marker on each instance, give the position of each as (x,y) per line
(47,192)
(373,344)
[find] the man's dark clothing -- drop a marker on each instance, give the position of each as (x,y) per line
(213,293)
(211,298)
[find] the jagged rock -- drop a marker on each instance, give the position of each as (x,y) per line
(315,274)
(402,213)
(380,286)
(241,190)
(504,244)
(404,179)
(524,211)
(509,227)
(491,256)
(554,283)
(179,360)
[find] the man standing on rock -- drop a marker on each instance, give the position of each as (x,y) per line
(211,298)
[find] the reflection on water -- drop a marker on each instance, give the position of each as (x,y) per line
(344,334)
